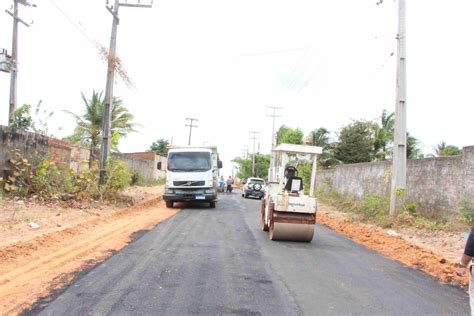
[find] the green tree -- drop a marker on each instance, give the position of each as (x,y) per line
(320,137)
(160,147)
(384,135)
(288,135)
(356,143)
(262,164)
(22,119)
(443,150)
(89,124)
(413,148)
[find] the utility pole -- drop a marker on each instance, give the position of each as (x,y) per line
(191,120)
(400,142)
(14,57)
(254,137)
(109,87)
(245,151)
(273,116)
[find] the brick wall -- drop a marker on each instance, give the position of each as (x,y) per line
(59,151)
(436,185)
(143,155)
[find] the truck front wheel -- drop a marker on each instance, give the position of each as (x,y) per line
(169,204)
(212,204)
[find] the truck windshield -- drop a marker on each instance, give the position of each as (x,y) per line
(189,161)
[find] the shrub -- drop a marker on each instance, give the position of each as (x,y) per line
(50,178)
(85,185)
(137,178)
(411,209)
(465,211)
(374,209)
(18,176)
(117,178)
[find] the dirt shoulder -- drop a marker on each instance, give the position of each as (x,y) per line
(68,239)
(434,252)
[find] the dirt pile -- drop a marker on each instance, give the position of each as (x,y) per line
(395,247)
(37,264)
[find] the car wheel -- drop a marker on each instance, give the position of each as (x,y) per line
(212,204)
(169,204)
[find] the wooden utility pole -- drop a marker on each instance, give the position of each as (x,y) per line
(111,64)
(399,169)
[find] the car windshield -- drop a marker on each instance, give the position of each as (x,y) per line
(256,181)
(189,161)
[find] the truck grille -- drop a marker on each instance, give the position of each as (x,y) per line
(188,183)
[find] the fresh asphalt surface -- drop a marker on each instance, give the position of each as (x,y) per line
(218,261)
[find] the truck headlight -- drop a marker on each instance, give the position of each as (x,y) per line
(168,190)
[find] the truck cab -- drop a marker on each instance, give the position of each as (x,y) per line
(191,175)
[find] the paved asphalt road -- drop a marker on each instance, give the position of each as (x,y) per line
(218,261)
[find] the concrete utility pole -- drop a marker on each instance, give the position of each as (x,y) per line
(254,137)
(400,142)
(14,57)
(109,87)
(273,115)
(191,120)
(245,151)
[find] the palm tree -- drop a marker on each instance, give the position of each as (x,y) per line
(89,124)
(384,134)
(319,137)
(443,150)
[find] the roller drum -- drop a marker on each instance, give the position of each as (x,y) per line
(291,232)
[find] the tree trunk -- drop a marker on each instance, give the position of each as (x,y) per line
(92,152)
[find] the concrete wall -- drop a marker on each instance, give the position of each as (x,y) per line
(36,147)
(436,185)
(151,156)
(32,146)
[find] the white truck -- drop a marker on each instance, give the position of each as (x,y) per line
(191,175)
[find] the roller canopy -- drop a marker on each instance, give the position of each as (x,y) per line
(298,149)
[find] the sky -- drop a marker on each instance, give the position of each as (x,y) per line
(224,62)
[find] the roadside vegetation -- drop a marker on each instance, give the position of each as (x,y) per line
(47,179)
(374,209)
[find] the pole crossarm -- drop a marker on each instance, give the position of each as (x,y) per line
(136,5)
(18,18)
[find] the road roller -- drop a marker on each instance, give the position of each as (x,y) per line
(287,213)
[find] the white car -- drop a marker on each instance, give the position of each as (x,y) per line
(254,187)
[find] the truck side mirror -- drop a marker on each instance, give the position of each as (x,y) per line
(158,165)
(219,164)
